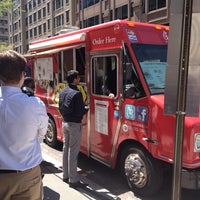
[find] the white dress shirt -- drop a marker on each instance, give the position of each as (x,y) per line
(23,120)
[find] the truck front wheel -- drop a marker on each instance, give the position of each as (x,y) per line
(143,173)
(51,136)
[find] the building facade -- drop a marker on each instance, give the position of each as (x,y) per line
(4,29)
(37,19)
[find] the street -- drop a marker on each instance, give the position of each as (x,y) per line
(114,186)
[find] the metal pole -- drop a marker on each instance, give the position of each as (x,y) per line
(181,97)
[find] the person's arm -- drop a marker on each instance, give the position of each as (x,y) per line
(79,105)
(43,119)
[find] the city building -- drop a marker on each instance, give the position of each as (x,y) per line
(4,29)
(37,19)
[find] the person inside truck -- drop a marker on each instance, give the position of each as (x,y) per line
(133,87)
(111,82)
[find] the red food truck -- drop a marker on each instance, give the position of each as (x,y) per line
(122,66)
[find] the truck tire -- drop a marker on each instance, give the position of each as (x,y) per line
(51,135)
(143,173)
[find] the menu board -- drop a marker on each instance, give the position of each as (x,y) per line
(44,69)
(101,117)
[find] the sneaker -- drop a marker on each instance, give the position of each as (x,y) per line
(78,184)
(66,180)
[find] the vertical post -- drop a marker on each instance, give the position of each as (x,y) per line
(181,97)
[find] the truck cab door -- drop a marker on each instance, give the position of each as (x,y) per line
(104,98)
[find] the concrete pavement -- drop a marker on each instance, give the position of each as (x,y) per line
(55,189)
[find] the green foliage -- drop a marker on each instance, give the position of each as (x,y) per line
(5,6)
(5,47)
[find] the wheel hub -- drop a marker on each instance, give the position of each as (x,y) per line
(49,134)
(135,170)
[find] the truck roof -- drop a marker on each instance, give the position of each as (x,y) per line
(78,37)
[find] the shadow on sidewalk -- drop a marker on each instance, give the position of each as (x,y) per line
(50,194)
(98,195)
(49,168)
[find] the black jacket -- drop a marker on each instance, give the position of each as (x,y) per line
(71,104)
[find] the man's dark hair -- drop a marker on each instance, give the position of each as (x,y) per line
(29,82)
(71,75)
(28,86)
(12,64)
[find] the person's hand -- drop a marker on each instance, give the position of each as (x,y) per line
(111,96)
(87,107)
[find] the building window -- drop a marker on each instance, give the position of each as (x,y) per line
(34,3)
(26,34)
(107,5)
(48,7)
(44,28)
(30,5)
(16,2)
(91,21)
(19,23)
(20,37)
(15,14)
(40,29)
(39,14)
(31,33)
(48,23)
(34,17)
(111,15)
(30,19)
(15,38)
(15,26)
(44,12)
(58,21)
(26,8)
(87,3)
(156,4)
(143,6)
(57,4)
(35,31)
(131,10)
(121,12)
(67,16)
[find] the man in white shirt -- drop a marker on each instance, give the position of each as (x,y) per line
(23,120)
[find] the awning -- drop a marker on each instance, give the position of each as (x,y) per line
(56,42)
(52,51)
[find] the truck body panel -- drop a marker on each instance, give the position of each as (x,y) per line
(122,67)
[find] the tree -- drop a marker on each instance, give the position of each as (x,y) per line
(5,47)
(5,6)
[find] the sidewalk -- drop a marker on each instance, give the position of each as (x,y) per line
(53,186)
(55,189)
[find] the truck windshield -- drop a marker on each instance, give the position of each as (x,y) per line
(153,62)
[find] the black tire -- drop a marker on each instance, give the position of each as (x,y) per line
(143,173)
(51,135)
